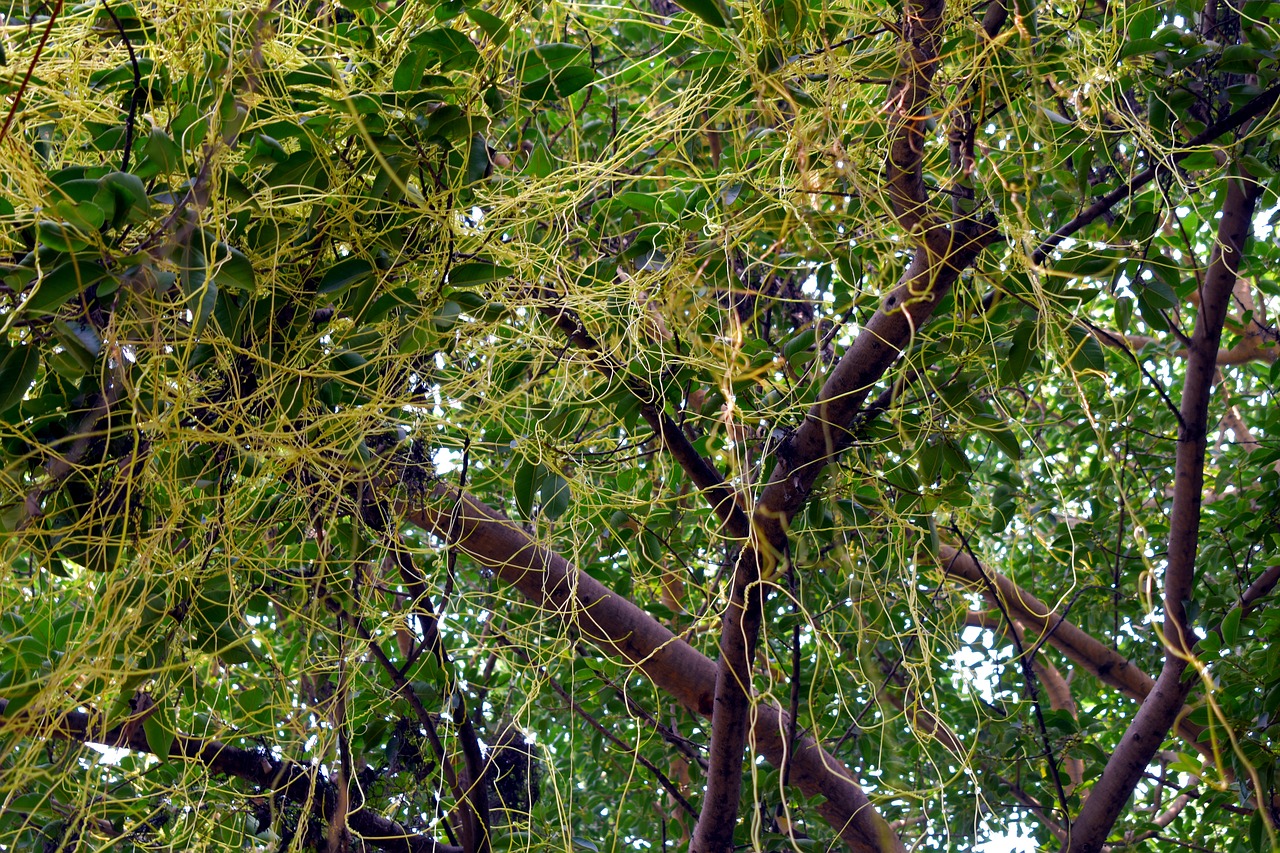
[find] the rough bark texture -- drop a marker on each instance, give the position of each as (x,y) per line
(1147,731)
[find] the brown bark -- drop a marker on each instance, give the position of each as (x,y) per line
(1081,648)
(621,628)
(1111,793)
(942,253)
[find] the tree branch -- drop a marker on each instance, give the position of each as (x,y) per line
(1146,732)
(1254,108)
(1099,660)
(621,628)
(943,252)
(288,779)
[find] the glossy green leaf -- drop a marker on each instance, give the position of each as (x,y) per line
(61,236)
(408,74)
(546,59)
(479,166)
(233,270)
(159,729)
(344,275)
(708,10)
(496,28)
(18,368)
(1087,354)
(473,273)
(528,478)
(451,49)
(999,431)
(1020,353)
(559,84)
(68,279)
(555,496)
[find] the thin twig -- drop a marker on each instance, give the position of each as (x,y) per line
(135,97)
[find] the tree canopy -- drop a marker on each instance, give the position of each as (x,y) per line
(515,425)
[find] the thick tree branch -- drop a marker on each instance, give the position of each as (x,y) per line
(942,253)
(1081,648)
(1260,587)
(1147,731)
(286,779)
(621,628)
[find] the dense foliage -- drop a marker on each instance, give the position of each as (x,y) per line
(453,426)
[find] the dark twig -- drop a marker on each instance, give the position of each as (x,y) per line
(1029,679)
(26,78)
(1254,108)
(135,99)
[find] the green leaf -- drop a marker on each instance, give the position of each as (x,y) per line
(708,10)
(479,166)
(352,368)
(18,367)
(1088,354)
(65,281)
(344,275)
(497,29)
(1231,626)
(527,480)
(409,73)
(202,303)
(706,59)
(1019,356)
(60,236)
(160,731)
(477,272)
(447,317)
(234,272)
(130,195)
(1199,161)
(77,203)
(300,171)
(160,155)
(451,49)
(1124,312)
(1258,833)
(546,59)
(995,427)
(1141,46)
(555,496)
(560,84)
(1056,118)
(1240,59)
